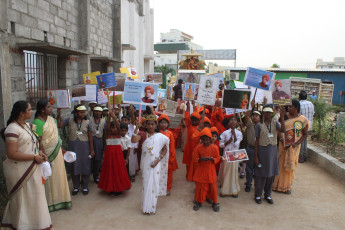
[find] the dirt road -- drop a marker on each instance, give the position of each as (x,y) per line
(317,202)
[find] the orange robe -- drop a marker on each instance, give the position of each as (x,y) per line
(193,165)
(205,175)
(188,150)
(172,158)
(217,118)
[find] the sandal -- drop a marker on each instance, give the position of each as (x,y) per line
(75,191)
(85,191)
(215,207)
(132,179)
(196,206)
(209,201)
(242,174)
(288,192)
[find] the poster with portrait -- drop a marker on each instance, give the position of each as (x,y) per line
(179,109)
(120,79)
(191,76)
(162,93)
(102,97)
(154,78)
(144,93)
(208,87)
(281,94)
(90,78)
(236,99)
(169,92)
(106,80)
(171,107)
(188,91)
(258,78)
(289,137)
(196,92)
(131,72)
(236,155)
(59,98)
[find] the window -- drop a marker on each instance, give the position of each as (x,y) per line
(41,74)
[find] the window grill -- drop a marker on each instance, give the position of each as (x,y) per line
(41,74)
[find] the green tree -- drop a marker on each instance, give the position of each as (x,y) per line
(321,110)
(275,65)
(164,70)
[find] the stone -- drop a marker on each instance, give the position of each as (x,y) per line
(62,13)
(41,14)
(59,22)
(22,31)
(13,15)
(52,28)
(44,5)
(70,35)
(20,6)
(37,34)
(56,3)
(61,31)
(59,40)
(29,21)
(43,25)
(53,9)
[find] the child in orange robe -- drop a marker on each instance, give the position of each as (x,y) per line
(217,117)
(206,155)
(191,122)
(215,141)
(163,124)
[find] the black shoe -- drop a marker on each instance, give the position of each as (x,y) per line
(75,191)
(269,200)
(242,174)
(196,206)
(247,189)
(96,180)
(215,207)
(258,200)
(85,191)
(301,160)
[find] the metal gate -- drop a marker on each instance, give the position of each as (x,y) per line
(41,74)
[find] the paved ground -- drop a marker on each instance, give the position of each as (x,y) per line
(317,202)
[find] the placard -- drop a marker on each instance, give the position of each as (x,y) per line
(59,98)
(179,103)
(91,94)
(191,76)
(169,92)
(90,78)
(229,111)
(207,92)
(281,94)
(236,99)
(258,78)
(236,155)
(289,137)
(188,91)
(78,91)
(171,107)
(175,121)
(131,72)
(140,93)
(106,80)
(120,82)
(154,78)
(162,93)
(102,97)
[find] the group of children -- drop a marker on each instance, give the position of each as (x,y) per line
(121,137)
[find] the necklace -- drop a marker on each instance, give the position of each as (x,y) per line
(149,149)
(30,133)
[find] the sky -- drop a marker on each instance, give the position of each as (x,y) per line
(293,34)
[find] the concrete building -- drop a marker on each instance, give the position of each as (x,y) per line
(170,43)
(49,44)
(337,63)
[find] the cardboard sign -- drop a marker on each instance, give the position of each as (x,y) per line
(162,93)
(258,78)
(102,97)
(90,94)
(140,93)
(169,92)
(236,99)
(175,121)
(236,155)
(281,94)
(78,91)
(59,98)
(106,80)
(90,78)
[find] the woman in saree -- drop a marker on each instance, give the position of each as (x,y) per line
(27,206)
(154,164)
(288,155)
(57,190)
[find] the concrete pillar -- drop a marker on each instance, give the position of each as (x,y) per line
(84,66)
(84,24)
(68,72)
(117,43)
(110,67)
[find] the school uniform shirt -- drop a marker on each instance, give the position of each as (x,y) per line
(130,132)
(226,135)
(125,142)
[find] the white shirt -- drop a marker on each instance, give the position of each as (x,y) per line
(125,143)
(307,110)
(226,135)
(130,132)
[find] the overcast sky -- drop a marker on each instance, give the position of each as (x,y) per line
(291,33)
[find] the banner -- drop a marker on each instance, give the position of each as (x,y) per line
(207,92)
